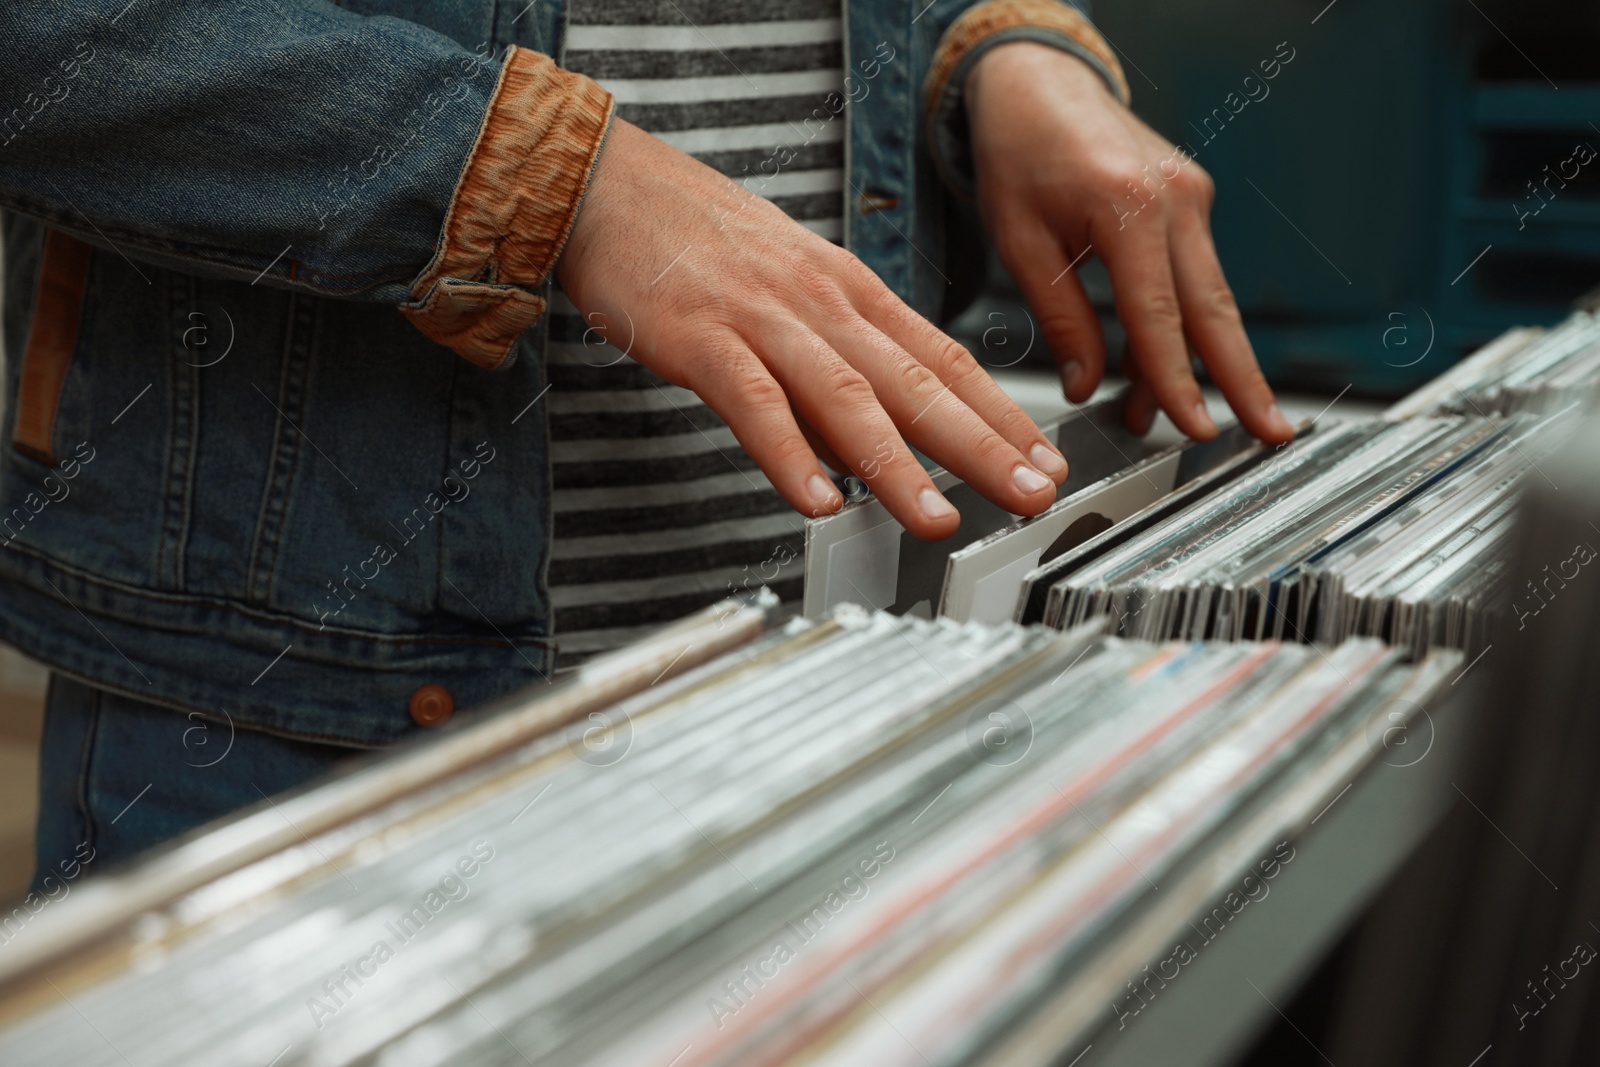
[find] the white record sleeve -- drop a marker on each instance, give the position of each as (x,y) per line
(861,555)
(983,581)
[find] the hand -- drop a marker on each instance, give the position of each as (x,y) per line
(1064,168)
(793,341)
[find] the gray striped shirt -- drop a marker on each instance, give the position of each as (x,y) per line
(657,510)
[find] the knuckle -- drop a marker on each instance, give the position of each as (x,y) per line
(990,449)
(965,378)
(1197,186)
(722,362)
(779,268)
(844,384)
(1161,310)
(776,263)
(868,303)
(876,300)
(817,283)
(1192,178)
(955,365)
(856,274)
(912,379)
(759,389)
(1116,172)
(1014,424)
(791,451)
(948,359)
(696,303)
(1220,301)
(882,305)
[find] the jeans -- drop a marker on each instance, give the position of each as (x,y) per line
(117,776)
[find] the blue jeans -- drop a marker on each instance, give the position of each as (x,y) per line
(118,775)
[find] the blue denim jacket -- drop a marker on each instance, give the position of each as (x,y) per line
(241,483)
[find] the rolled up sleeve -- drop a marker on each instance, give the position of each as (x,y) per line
(296,144)
(513,209)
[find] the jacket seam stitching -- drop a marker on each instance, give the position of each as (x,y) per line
(251,611)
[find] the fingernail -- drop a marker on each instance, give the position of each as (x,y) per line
(823,494)
(1278,423)
(1046,459)
(933,505)
(1202,419)
(1029,480)
(1071,374)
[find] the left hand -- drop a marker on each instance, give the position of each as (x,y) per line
(1064,168)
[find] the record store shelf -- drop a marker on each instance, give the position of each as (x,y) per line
(1345,847)
(921,832)
(1165,781)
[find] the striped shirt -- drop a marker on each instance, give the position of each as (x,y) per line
(657,510)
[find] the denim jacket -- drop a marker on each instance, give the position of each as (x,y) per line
(241,483)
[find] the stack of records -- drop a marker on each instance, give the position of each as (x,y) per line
(1387,529)
(1523,370)
(859,840)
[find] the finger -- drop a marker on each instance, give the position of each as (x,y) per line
(1147,303)
(1211,319)
(931,415)
(894,333)
(1049,282)
(1140,407)
(824,451)
(841,405)
(736,386)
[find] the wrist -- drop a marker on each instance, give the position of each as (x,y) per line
(1017,65)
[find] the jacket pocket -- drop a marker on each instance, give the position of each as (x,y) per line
(57,305)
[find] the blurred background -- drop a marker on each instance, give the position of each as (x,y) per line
(1393,198)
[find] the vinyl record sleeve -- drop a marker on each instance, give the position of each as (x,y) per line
(983,580)
(861,555)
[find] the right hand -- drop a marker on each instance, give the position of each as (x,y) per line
(1058,161)
(793,342)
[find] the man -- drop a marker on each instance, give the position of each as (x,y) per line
(254,517)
